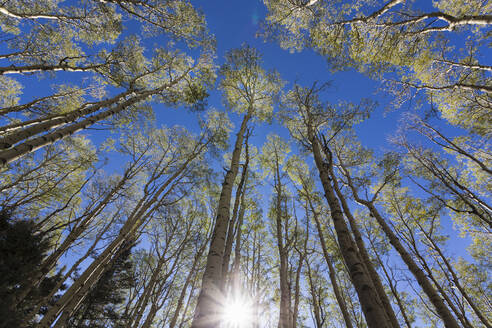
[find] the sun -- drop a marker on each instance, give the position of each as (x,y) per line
(237,313)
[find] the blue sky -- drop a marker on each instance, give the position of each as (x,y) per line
(236,22)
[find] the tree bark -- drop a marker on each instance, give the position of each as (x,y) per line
(331,270)
(373,310)
(392,287)
(378,285)
(210,298)
(230,232)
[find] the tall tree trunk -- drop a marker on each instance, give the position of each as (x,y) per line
(455,279)
(210,298)
(188,301)
(302,255)
(436,300)
(60,119)
(75,299)
(393,288)
(155,280)
(11,154)
(314,297)
(230,232)
(331,270)
(371,306)
(378,285)
(412,242)
(284,315)
(237,246)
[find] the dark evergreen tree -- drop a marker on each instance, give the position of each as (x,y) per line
(100,307)
(21,252)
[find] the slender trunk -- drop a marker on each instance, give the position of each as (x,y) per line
(139,215)
(155,304)
(257,300)
(430,274)
(284,294)
(18,108)
(16,152)
(436,300)
(429,290)
(295,311)
(461,317)
(49,68)
(149,291)
(10,128)
(54,290)
(71,304)
(314,297)
(284,315)
(378,285)
(393,288)
(368,297)
(188,302)
(188,280)
(206,308)
(237,248)
(52,259)
(60,119)
(77,291)
(230,233)
(332,273)
(456,281)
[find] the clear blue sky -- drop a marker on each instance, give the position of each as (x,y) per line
(235,22)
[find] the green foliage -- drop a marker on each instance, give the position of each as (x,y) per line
(160,185)
(246,86)
(21,253)
(395,39)
(10,90)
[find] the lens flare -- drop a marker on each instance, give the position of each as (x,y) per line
(237,313)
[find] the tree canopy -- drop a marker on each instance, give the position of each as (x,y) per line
(169,163)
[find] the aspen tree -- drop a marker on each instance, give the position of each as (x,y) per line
(306,189)
(241,188)
(248,89)
(274,162)
(305,127)
(166,173)
(45,37)
(426,285)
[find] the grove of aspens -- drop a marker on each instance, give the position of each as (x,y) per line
(245,163)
